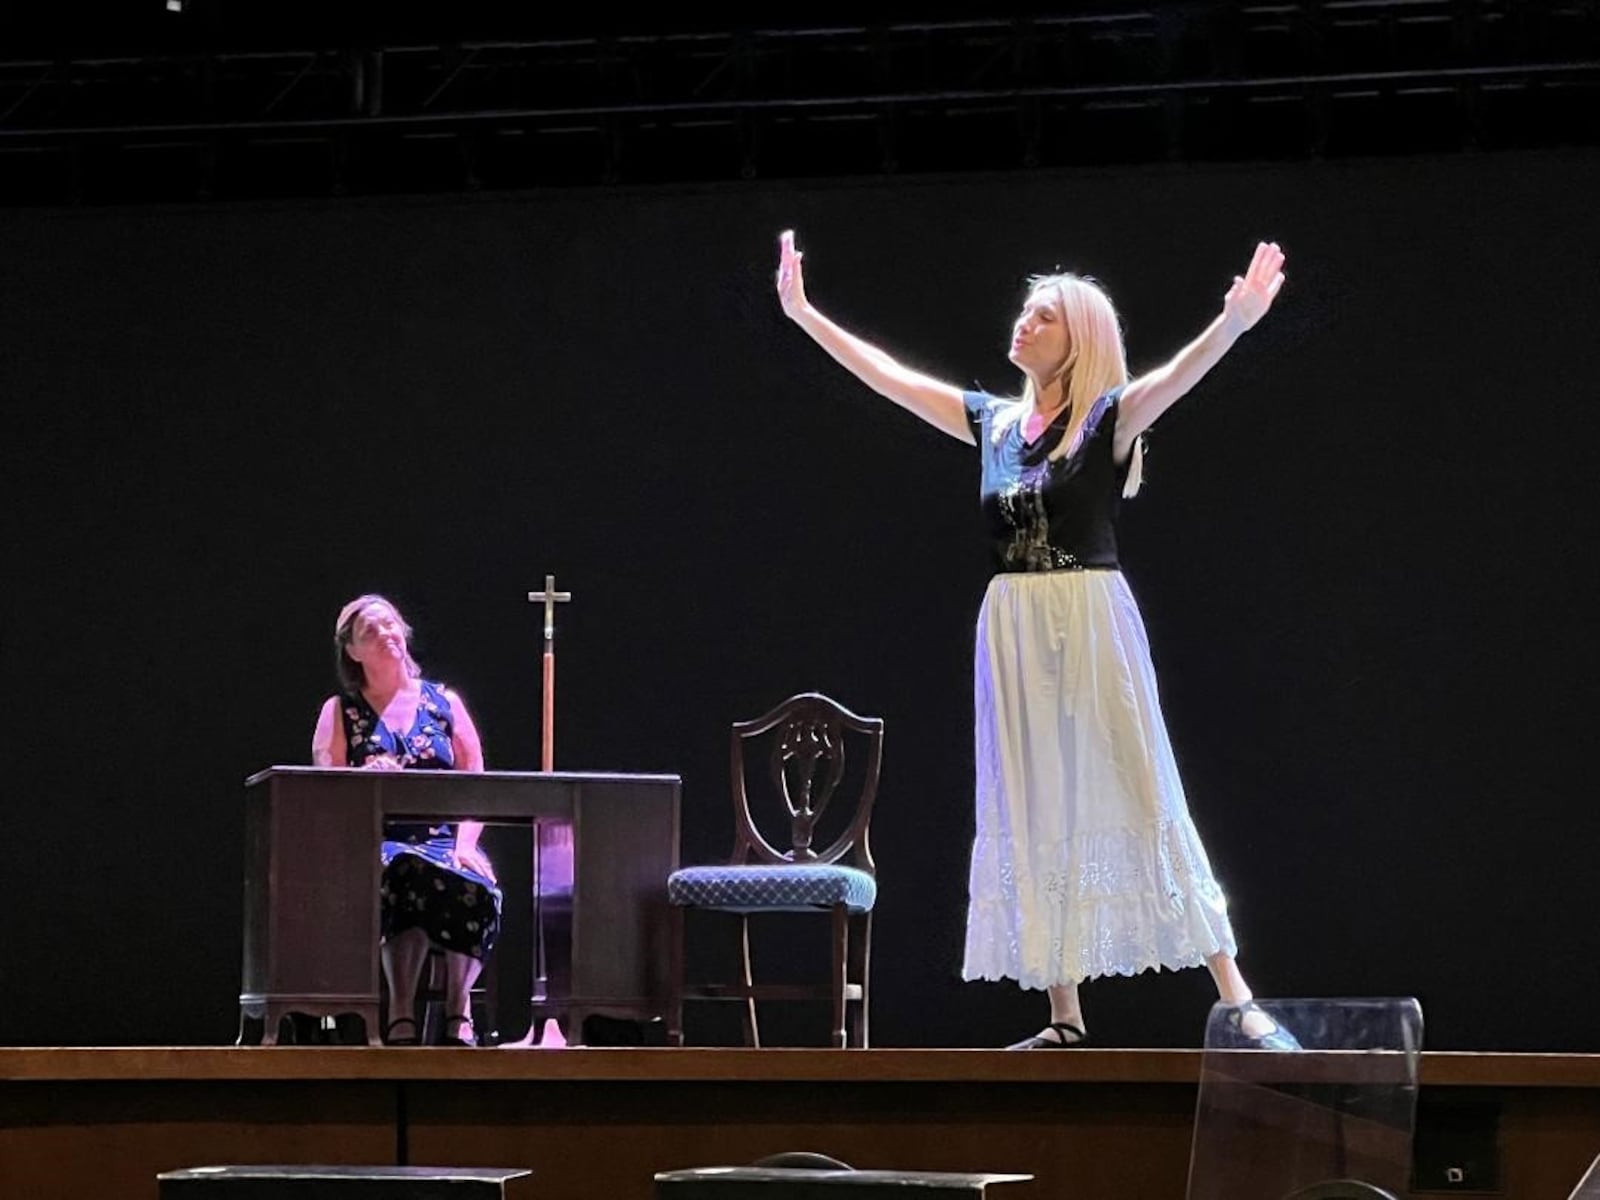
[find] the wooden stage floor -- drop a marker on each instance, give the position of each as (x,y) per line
(79,1122)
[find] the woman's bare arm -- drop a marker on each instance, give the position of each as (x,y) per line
(1247,301)
(937,403)
(328,747)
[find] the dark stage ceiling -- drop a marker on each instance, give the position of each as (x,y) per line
(223,99)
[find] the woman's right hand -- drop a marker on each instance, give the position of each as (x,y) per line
(383,762)
(476,861)
(939,404)
(791,283)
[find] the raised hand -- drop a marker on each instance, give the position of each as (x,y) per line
(1252,294)
(791,283)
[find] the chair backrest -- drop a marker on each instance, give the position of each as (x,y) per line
(805,766)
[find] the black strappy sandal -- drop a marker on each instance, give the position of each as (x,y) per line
(388,1033)
(458,1022)
(1063,1030)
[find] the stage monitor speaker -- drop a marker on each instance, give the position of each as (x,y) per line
(1457,1146)
(346,1183)
(802,1183)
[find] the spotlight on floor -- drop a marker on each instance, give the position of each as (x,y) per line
(174,5)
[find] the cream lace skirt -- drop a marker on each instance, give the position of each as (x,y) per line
(1085,861)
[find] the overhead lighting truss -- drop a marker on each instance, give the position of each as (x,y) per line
(1176,82)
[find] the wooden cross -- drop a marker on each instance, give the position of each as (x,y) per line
(549,598)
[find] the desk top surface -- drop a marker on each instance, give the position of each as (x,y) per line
(434,776)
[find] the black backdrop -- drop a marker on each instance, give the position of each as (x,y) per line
(1359,551)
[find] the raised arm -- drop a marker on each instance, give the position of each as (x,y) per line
(939,404)
(1247,301)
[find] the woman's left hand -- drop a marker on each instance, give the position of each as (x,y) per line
(1252,293)
(475,861)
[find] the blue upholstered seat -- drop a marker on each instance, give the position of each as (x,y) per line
(773,888)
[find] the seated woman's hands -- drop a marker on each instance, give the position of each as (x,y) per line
(474,860)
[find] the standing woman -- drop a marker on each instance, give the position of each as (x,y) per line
(438,887)
(1086,861)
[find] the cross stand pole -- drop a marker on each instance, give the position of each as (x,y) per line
(551,1034)
(547,739)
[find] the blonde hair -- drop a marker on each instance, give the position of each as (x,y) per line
(1096,362)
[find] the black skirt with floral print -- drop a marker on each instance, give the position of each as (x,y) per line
(423,888)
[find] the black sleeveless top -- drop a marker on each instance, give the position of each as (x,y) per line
(1047,514)
(424,744)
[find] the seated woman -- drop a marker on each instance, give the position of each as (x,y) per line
(438,887)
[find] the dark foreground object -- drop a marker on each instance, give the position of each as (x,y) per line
(802,1183)
(346,1183)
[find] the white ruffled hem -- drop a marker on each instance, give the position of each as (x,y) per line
(1117,937)
(1114,902)
(992,973)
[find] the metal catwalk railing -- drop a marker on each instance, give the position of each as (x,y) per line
(1195,81)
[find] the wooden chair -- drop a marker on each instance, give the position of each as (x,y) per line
(805,765)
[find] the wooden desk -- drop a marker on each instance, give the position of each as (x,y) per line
(312,870)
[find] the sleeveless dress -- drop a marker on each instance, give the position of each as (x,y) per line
(422,888)
(1085,860)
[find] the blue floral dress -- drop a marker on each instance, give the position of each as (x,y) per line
(423,888)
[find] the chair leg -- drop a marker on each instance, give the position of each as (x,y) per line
(487,995)
(861,973)
(752,1028)
(428,1010)
(674,1012)
(841,956)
